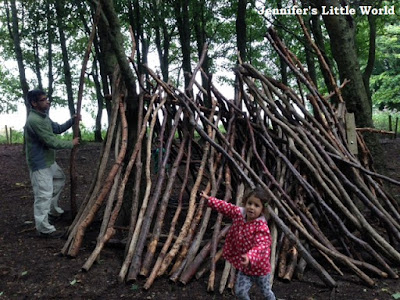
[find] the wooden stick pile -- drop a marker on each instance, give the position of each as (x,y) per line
(329,210)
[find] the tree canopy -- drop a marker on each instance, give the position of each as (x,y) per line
(44,42)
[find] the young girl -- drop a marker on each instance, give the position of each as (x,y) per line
(248,242)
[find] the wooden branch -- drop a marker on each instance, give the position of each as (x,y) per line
(326,278)
(73,173)
(162,209)
(178,210)
(75,246)
(131,246)
(283,258)
(206,267)
(374,130)
(189,216)
(293,254)
(190,272)
(193,241)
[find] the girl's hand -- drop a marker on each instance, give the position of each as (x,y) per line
(245,261)
(204,195)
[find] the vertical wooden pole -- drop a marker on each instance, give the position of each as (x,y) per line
(7,138)
(73,174)
(351,133)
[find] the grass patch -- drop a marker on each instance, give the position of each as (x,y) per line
(17,137)
(385,119)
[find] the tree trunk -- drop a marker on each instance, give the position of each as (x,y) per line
(283,65)
(316,30)
(183,24)
(117,43)
(36,55)
(100,105)
(341,30)
(14,34)
(136,20)
(132,108)
(371,54)
(162,37)
(241,29)
(107,61)
(310,58)
(95,76)
(50,34)
(162,49)
(63,42)
(201,38)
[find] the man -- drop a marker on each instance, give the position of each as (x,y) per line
(47,177)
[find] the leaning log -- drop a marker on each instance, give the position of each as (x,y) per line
(81,227)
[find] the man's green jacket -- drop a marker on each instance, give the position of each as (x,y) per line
(41,141)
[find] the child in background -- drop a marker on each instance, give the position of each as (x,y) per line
(248,242)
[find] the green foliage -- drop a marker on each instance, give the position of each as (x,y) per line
(386,88)
(87,135)
(10,91)
(37,23)
(12,137)
(385,81)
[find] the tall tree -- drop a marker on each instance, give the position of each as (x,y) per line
(113,31)
(316,30)
(107,60)
(283,65)
(50,34)
(241,29)
(36,18)
(13,27)
(116,38)
(341,30)
(162,34)
(200,20)
(136,17)
(310,57)
(371,54)
(181,8)
(95,75)
(60,16)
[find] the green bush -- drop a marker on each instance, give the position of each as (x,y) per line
(16,137)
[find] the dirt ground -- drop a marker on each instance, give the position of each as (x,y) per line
(31,267)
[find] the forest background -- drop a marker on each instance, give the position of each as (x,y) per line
(43,44)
